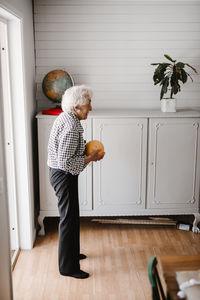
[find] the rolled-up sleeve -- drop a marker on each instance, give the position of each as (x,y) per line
(68,159)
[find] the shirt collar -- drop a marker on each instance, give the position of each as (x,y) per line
(77,121)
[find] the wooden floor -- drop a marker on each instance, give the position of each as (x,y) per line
(117,261)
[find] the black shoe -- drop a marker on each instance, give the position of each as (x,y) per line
(79,274)
(82,256)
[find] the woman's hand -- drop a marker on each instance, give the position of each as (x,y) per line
(94,156)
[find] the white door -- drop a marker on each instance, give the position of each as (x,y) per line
(8,136)
(173,168)
(48,200)
(120,178)
(5,263)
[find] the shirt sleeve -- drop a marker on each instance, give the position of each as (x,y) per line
(68,159)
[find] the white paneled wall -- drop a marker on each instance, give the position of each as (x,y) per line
(109,45)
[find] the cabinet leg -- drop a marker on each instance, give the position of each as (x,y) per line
(40,221)
(195,223)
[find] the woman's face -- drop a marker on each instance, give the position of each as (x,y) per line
(81,111)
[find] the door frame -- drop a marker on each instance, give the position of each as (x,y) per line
(19,96)
(9,141)
(5,262)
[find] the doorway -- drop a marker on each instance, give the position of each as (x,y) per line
(21,84)
(9,141)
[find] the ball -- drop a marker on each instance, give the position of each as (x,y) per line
(93,146)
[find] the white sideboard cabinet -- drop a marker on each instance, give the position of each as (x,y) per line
(151,166)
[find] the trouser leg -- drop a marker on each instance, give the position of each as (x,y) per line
(66,189)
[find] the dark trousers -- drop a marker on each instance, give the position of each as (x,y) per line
(66,189)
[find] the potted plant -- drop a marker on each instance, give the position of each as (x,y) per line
(170,75)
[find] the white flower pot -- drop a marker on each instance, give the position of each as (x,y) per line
(168,105)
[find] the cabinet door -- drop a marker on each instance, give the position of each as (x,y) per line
(48,200)
(120,178)
(173,168)
(85,177)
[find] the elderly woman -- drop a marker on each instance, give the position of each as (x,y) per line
(66,159)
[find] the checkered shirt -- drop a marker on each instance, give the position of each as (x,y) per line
(66,147)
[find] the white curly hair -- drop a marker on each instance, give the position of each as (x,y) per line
(75,95)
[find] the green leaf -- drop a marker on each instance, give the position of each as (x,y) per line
(189,76)
(159,73)
(174,78)
(192,68)
(155,64)
(178,74)
(161,93)
(168,57)
(176,88)
(180,65)
(161,68)
(165,83)
(183,76)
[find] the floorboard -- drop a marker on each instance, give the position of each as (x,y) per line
(117,261)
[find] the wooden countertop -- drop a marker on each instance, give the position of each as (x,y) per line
(172,264)
(135,113)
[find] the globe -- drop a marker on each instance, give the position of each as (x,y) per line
(55,83)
